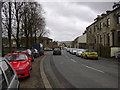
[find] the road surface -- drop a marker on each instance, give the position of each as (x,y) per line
(70,71)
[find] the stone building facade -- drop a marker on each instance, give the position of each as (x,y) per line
(80,42)
(104,33)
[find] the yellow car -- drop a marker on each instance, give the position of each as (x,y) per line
(90,53)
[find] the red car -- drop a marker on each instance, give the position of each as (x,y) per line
(21,63)
(27,52)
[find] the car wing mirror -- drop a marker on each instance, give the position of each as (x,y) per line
(30,58)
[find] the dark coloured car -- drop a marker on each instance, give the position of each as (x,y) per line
(35,53)
(57,51)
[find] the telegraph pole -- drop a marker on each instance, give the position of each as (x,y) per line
(0,30)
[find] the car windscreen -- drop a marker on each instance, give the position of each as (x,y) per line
(74,49)
(57,49)
(80,50)
(90,50)
(18,57)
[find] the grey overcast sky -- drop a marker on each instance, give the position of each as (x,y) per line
(67,20)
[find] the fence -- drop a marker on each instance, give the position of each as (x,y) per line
(104,51)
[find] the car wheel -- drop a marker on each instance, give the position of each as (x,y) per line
(33,59)
(96,58)
(35,56)
(85,57)
(81,56)
(31,68)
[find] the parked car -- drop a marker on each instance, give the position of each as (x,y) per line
(30,57)
(117,55)
(89,53)
(21,63)
(79,52)
(35,53)
(73,51)
(30,52)
(57,51)
(39,47)
(68,49)
(8,76)
(27,52)
(48,49)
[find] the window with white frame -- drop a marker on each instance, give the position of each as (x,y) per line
(108,22)
(101,25)
(118,19)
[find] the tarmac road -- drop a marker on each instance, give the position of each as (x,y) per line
(70,71)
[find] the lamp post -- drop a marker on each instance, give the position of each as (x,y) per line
(0,30)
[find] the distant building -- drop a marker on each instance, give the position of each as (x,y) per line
(67,44)
(55,44)
(104,34)
(80,42)
(47,42)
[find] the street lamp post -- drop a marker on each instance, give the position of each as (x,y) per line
(0,30)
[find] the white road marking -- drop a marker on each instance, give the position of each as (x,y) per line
(66,56)
(93,68)
(72,60)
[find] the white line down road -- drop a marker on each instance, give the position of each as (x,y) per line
(94,69)
(73,71)
(73,60)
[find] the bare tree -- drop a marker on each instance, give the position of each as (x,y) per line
(18,7)
(33,27)
(25,19)
(7,20)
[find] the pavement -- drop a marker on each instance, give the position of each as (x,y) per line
(35,80)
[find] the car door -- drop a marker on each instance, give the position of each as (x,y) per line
(3,82)
(10,75)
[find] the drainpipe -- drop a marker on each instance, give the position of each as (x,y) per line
(0,30)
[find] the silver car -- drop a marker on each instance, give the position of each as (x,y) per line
(73,51)
(8,76)
(79,52)
(117,55)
